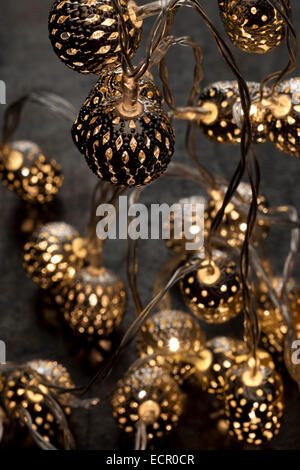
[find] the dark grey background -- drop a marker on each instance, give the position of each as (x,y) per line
(26,62)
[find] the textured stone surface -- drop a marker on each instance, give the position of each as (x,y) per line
(27,61)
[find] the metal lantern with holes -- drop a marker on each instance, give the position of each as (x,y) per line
(27,399)
(221,355)
(151,395)
(234,223)
(95,302)
(110,84)
(218,124)
(254,403)
(54,254)
(25,170)
(256,114)
(174,336)
(272,323)
(283,118)
(121,150)
(213,292)
(85,34)
(184,227)
(253,25)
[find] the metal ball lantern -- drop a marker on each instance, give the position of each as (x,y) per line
(25,170)
(213,292)
(54,254)
(85,34)
(253,25)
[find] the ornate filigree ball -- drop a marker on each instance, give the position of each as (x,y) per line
(54,254)
(26,398)
(254,403)
(213,292)
(85,34)
(173,335)
(253,25)
(283,118)
(95,302)
(150,395)
(123,150)
(25,170)
(219,125)
(234,223)
(256,114)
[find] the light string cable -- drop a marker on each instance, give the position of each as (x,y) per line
(47,99)
(291,43)
(246,138)
(132,258)
(102,193)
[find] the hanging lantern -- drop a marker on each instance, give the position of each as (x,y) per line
(213,293)
(221,354)
(85,34)
(218,124)
(234,223)
(150,395)
(110,85)
(125,150)
(254,403)
(272,323)
(256,114)
(26,397)
(185,227)
(54,254)
(283,117)
(94,303)
(174,336)
(25,170)
(253,25)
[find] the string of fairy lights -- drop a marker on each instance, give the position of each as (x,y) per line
(125,132)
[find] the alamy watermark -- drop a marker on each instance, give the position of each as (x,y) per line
(2,352)
(2,92)
(158,221)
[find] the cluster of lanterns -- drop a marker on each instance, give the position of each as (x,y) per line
(273,116)
(128,140)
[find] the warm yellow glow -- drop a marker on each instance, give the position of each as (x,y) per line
(173,344)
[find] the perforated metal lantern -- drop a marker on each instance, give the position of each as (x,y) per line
(151,395)
(94,303)
(253,25)
(218,124)
(273,325)
(234,223)
(256,113)
(27,399)
(109,86)
(25,170)
(185,226)
(173,335)
(283,118)
(125,151)
(223,353)
(254,403)
(85,34)
(213,293)
(54,254)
